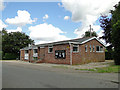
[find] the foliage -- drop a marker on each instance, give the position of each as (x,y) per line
(111,27)
(35,58)
(106,26)
(9,56)
(13,42)
(87,34)
(109,53)
(116,33)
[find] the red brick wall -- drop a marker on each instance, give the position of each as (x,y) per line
(22,54)
(77,58)
(85,57)
(31,54)
(50,57)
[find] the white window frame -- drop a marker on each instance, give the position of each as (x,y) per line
(35,54)
(34,50)
(99,49)
(49,49)
(90,48)
(77,49)
(86,48)
(26,56)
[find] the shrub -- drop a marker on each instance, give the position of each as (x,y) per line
(9,56)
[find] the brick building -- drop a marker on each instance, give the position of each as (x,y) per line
(75,51)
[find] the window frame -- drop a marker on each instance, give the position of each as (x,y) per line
(86,48)
(59,54)
(34,50)
(26,55)
(99,49)
(49,49)
(77,48)
(27,51)
(90,48)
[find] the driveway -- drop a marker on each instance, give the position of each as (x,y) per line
(17,74)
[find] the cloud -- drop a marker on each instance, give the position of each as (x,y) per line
(45,17)
(19,29)
(22,18)
(87,11)
(60,5)
(1,5)
(2,25)
(44,33)
(66,17)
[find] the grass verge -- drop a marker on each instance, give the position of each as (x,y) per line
(109,69)
(60,67)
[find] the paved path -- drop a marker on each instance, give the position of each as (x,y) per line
(26,75)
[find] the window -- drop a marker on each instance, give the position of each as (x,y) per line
(35,51)
(85,48)
(90,49)
(99,49)
(26,51)
(93,48)
(50,49)
(60,54)
(26,55)
(35,54)
(75,48)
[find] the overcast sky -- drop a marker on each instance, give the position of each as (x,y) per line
(54,21)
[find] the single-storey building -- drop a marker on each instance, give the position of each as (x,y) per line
(75,51)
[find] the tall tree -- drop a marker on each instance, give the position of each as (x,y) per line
(106,26)
(116,33)
(111,27)
(14,41)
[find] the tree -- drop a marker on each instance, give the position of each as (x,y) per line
(106,26)
(111,27)
(116,33)
(13,42)
(87,34)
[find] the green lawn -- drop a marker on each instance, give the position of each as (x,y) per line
(109,69)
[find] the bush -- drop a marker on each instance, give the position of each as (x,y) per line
(108,55)
(9,56)
(117,57)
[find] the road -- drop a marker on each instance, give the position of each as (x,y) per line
(24,75)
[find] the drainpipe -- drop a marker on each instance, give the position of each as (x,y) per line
(70,53)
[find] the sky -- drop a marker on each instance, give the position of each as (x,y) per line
(54,21)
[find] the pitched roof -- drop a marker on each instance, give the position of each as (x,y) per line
(73,41)
(78,40)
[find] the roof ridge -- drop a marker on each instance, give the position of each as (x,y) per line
(66,40)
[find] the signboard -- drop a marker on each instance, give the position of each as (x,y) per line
(60,54)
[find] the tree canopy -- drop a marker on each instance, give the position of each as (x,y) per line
(111,27)
(87,34)
(13,42)
(116,32)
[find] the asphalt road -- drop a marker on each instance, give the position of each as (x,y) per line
(19,75)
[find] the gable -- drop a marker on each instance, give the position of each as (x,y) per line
(94,38)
